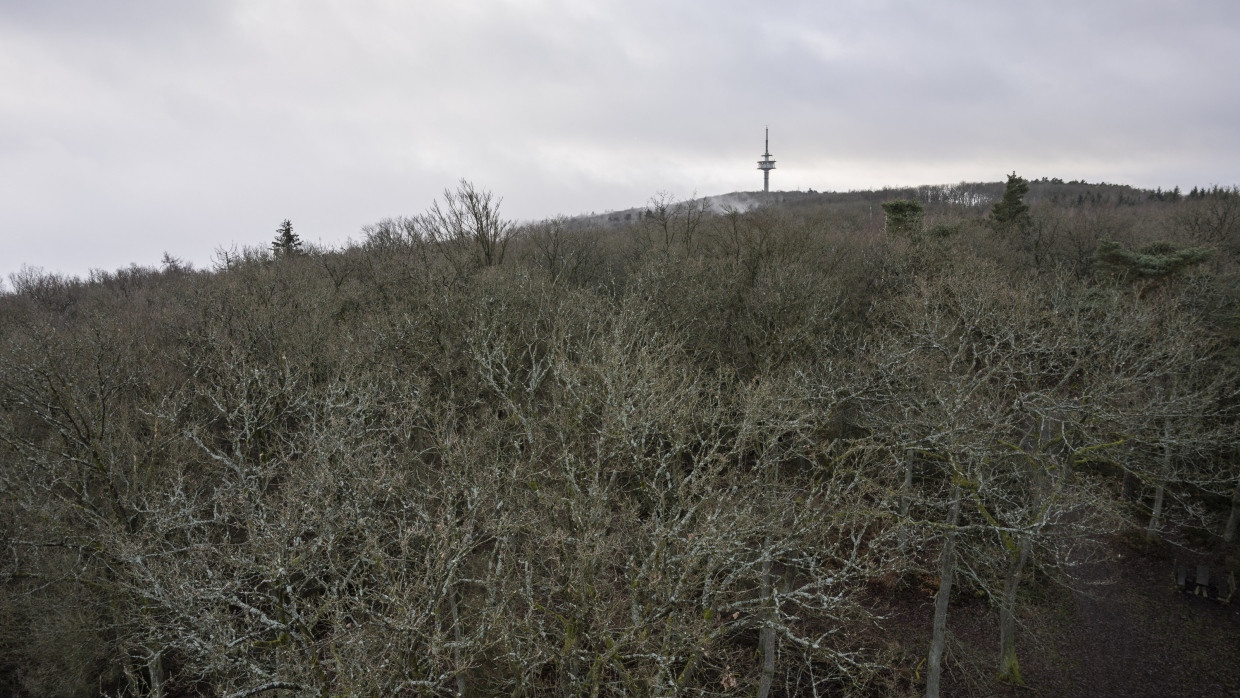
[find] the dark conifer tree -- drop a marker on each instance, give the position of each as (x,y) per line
(1012,209)
(904,216)
(287,242)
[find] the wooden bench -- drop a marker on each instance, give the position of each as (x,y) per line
(1207,582)
(1202,587)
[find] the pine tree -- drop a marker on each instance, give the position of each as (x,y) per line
(904,216)
(287,243)
(1012,210)
(1151,265)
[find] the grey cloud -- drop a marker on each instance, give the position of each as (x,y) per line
(139,126)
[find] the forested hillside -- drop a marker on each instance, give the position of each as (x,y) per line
(707,453)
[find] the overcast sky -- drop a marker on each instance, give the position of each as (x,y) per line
(133,127)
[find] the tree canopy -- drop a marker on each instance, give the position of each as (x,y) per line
(708,453)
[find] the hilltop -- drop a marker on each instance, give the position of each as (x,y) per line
(1047,190)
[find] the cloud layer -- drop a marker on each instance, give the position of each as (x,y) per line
(134,127)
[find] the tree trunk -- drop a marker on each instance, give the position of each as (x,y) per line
(454,598)
(1046,437)
(906,498)
(155,667)
(766,638)
(1160,492)
(1009,667)
(1151,531)
(1233,521)
(947,564)
(1130,487)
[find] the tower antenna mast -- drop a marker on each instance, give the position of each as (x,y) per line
(766,164)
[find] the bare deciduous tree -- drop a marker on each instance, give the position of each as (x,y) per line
(468,218)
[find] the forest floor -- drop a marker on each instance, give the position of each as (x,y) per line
(1126,631)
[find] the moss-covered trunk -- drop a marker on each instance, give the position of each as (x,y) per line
(947,564)
(767,636)
(1161,490)
(1009,666)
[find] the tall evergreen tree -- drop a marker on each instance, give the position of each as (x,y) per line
(287,242)
(1012,209)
